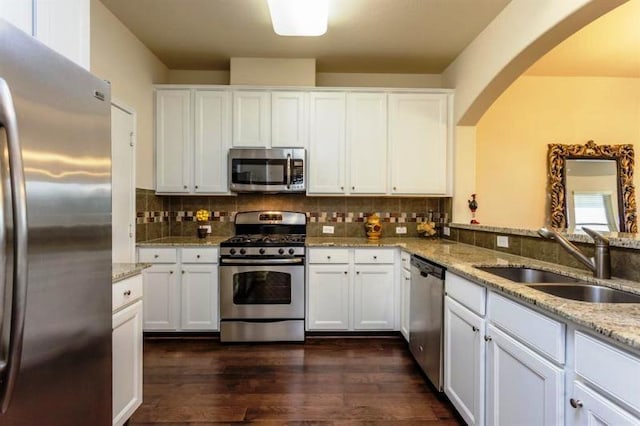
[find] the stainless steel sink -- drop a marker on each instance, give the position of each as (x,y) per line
(587,293)
(527,275)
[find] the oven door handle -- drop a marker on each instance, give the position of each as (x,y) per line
(289,261)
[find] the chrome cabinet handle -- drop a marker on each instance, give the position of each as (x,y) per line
(171,272)
(345,272)
(185,186)
(342,188)
(155,256)
(10,366)
(353,187)
(375,257)
(127,293)
(575,403)
(196,186)
(328,257)
(197,256)
(475,329)
(394,188)
(182,272)
(358,272)
(487,338)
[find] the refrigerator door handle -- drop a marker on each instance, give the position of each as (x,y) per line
(10,366)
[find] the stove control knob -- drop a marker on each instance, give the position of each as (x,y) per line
(243,251)
(281,251)
(261,251)
(291,251)
(232,251)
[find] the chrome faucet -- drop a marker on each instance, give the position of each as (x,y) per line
(600,264)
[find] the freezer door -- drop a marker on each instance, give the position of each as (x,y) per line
(63,122)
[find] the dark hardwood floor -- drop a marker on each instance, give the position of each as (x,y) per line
(323,381)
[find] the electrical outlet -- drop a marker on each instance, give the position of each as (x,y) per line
(446,231)
(327,229)
(401,229)
(208,227)
(502,241)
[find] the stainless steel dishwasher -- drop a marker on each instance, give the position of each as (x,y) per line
(426,313)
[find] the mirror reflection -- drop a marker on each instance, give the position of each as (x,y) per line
(592,195)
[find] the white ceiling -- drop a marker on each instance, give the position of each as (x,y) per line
(609,46)
(383,36)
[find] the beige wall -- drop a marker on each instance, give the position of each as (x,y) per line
(328,79)
(198,77)
(512,138)
(118,56)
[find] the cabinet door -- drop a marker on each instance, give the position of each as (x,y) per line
(405,305)
(19,13)
(212,139)
(173,140)
(521,385)
(418,140)
(464,358)
(328,297)
(63,25)
(326,143)
(367,142)
(288,120)
(127,362)
(374,301)
(199,297)
(251,119)
(594,409)
(161,298)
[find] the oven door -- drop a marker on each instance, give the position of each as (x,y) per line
(261,291)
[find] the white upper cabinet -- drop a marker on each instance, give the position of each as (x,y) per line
(173,141)
(63,25)
(367,143)
(193,132)
(251,118)
(419,143)
(212,139)
(288,120)
(327,119)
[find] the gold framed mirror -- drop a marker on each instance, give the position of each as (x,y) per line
(619,204)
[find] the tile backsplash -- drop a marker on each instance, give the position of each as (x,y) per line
(162,216)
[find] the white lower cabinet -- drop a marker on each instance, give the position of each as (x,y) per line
(591,408)
(522,387)
(126,348)
(464,350)
(180,294)
(351,289)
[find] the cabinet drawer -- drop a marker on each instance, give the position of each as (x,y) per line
(126,291)
(405,260)
(157,255)
(471,295)
(609,368)
(538,331)
(200,255)
(329,256)
(374,255)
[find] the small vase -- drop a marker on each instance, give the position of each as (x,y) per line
(202,232)
(373,227)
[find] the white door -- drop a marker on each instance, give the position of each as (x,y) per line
(251,119)
(123,184)
(328,297)
(367,142)
(199,289)
(174,126)
(327,117)
(19,13)
(373,297)
(593,409)
(464,358)
(288,119)
(127,362)
(521,385)
(161,297)
(418,141)
(212,139)
(405,314)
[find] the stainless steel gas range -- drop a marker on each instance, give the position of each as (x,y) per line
(262,278)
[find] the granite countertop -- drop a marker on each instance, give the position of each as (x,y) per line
(620,321)
(122,271)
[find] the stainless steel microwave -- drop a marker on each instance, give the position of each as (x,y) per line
(267,170)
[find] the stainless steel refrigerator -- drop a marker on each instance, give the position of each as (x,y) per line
(55,238)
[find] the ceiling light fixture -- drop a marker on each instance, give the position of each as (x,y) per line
(299,17)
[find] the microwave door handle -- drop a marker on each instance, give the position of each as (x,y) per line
(288,170)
